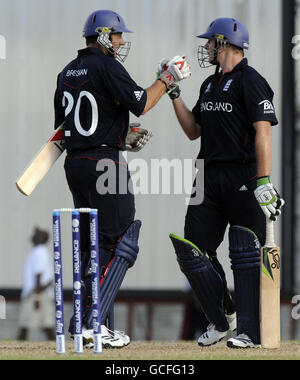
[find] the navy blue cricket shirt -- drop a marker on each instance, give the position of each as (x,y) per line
(94,96)
(228,106)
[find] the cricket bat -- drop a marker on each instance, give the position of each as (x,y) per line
(42,162)
(270,291)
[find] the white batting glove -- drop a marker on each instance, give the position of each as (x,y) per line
(178,69)
(268,198)
(162,66)
(173,90)
(137,137)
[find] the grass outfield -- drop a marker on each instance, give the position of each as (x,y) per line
(10,350)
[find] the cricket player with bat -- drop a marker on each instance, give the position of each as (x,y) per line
(93,99)
(233,117)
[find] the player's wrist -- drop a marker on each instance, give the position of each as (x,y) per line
(164,82)
(263,181)
(167,77)
(175,93)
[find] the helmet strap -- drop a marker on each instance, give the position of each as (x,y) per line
(217,69)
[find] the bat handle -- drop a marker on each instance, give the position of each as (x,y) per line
(270,241)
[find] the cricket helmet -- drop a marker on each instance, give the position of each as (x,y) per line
(104,23)
(223,30)
(104,19)
(229,30)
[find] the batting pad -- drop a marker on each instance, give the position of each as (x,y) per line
(244,249)
(204,280)
(125,257)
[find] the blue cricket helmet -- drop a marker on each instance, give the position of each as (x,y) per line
(102,19)
(228,30)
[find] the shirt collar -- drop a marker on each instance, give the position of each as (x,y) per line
(90,50)
(238,67)
(241,65)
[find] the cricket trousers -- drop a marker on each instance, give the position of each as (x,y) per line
(100,179)
(229,200)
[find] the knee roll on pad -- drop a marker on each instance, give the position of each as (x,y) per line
(204,280)
(128,248)
(244,249)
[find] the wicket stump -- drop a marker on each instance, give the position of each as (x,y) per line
(77,295)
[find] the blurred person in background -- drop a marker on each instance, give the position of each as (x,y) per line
(37,304)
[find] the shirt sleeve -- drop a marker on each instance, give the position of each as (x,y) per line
(124,89)
(258,97)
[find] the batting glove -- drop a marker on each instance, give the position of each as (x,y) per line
(173,90)
(137,137)
(162,66)
(268,198)
(178,69)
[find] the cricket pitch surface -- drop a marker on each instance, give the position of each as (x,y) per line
(177,350)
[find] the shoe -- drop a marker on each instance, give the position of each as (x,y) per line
(211,336)
(108,339)
(232,321)
(111,340)
(120,335)
(88,338)
(241,341)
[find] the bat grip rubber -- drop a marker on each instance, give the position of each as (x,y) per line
(270,241)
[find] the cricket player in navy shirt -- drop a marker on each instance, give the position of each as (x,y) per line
(233,116)
(93,99)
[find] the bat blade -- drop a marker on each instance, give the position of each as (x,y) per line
(270,297)
(42,163)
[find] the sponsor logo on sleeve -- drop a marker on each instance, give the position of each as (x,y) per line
(268,107)
(138,95)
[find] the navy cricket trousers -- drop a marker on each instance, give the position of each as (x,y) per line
(228,199)
(89,173)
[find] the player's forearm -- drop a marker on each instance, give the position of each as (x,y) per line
(263,147)
(186,120)
(154,93)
